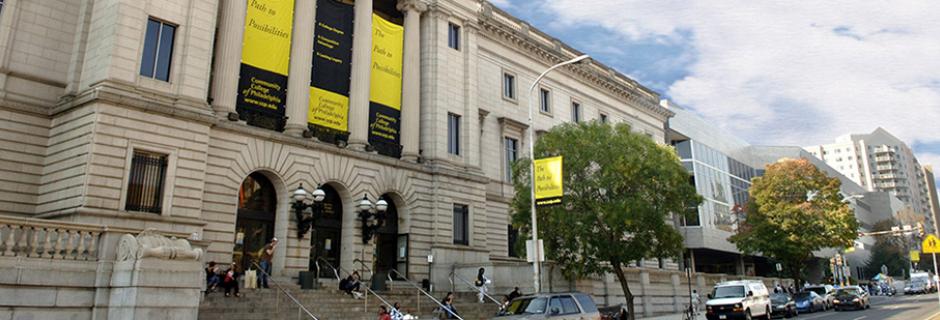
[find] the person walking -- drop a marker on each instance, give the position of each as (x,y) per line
(267,253)
(696,300)
(481,283)
(230,280)
(396,312)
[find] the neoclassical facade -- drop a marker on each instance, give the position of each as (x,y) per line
(130,113)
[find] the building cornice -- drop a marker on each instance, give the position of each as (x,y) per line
(505,28)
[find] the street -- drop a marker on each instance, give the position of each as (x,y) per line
(919,307)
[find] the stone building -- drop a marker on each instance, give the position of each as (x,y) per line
(131,114)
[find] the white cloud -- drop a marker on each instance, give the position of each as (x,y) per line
(797,73)
(501,3)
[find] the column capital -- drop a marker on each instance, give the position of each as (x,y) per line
(412,5)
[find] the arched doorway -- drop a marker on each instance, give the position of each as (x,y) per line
(391,247)
(327,232)
(254,225)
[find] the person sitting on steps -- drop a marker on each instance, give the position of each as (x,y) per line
(351,285)
(230,280)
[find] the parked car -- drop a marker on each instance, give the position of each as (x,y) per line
(562,306)
(783,305)
(809,301)
(827,292)
(916,286)
(744,299)
(851,297)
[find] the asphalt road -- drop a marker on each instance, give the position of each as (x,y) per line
(918,307)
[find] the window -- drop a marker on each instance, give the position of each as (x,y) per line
(603,118)
(461,224)
(145,186)
(512,152)
(1,6)
(562,305)
(453,134)
(575,111)
(453,36)
(513,236)
(545,100)
(509,86)
(158,50)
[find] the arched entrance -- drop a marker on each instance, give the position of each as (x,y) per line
(391,247)
(327,232)
(254,225)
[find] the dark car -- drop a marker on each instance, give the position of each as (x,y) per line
(808,301)
(783,305)
(851,297)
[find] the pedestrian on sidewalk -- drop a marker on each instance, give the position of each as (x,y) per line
(230,280)
(481,283)
(696,300)
(267,253)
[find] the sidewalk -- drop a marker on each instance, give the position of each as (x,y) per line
(678,316)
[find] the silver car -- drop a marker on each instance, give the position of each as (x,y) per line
(561,306)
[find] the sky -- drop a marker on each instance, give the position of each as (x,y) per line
(771,72)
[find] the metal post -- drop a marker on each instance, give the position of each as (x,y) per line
(536,263)
(935,273)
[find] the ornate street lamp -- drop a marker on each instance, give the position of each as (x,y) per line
(303,201)
(371,215)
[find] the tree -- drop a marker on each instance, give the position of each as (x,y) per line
(795,209)
(620,191)
(889,250)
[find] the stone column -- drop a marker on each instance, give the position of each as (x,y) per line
(361,68)
(228,58)
(411,78)
(301,58)
(645,298)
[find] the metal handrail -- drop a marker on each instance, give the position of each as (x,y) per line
(421,290)
(317,264)
(304,309)
(369,290)
(454,275)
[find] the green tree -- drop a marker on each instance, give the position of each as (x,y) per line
(889,250)
(795,209)
(620,188)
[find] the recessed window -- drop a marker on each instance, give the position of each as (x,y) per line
(604,118)
(453,134)
(145,184)
(509,86)
(545,100)
(1,6)
(512,151)
(575,111)
(461,224)
(453,36)
(512,237)
(158,50)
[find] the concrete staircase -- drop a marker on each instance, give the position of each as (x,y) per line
(329,303)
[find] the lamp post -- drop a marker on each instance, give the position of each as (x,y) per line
(371,215)
(536,264)
(304,200)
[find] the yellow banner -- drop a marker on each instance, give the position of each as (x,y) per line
(548,180)
(268,25)
(328,109)
(385,80)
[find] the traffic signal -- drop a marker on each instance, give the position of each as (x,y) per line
(920,229)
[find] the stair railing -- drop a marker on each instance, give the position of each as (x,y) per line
(368,290)
(453,275)
(412,284)
(317,264)
(297,302)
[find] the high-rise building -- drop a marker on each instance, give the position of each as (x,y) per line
(879,161)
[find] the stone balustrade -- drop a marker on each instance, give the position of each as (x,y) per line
(49,239)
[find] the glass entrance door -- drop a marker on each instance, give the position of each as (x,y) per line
(254,224)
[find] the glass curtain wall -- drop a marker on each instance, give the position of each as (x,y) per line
(722,182)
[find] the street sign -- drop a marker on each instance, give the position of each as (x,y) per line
(915,256)
(779,267)
(931,244)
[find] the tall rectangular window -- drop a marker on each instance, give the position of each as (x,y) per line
(545,100)
(158,50)
(453,36)
(513,236)
(145,184)
(575,112)
(453,134)
(509,86)
(511,145)
(461,224)
(1,6)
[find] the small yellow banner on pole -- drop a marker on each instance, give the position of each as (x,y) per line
(548,181)
(915,255)
(931,244)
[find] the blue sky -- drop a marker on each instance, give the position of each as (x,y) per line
(798,73)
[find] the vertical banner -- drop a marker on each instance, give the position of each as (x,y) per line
(385,87)
(262,81)
(549,186)
(328,114)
